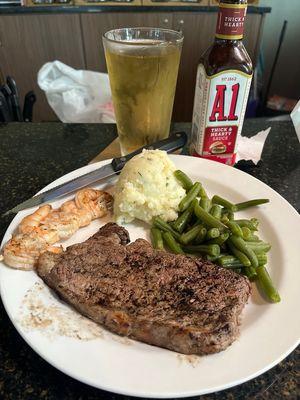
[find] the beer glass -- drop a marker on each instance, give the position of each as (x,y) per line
(142,66)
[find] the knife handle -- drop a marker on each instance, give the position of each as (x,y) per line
(174,142)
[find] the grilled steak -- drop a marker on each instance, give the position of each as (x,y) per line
(173,301)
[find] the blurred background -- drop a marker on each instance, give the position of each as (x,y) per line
(34,32)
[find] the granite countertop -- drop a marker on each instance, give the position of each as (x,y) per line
(68,9)
(32,155)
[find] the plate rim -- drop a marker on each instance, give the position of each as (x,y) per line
(140,393)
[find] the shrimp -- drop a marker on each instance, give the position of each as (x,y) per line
(97,202)
(23,250)
(47,233)
(84,215)
(65,224)
(30,222)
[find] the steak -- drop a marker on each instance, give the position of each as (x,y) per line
(173,301)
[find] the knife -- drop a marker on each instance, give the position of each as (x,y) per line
(15,100)
(172,143)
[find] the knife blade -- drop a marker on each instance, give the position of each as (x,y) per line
(172,143)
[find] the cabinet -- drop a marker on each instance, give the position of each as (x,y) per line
(29,41)
(198,30)
(95,25)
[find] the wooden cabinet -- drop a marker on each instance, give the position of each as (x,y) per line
(95,25)
(198,30)
(198,35)
(29,41)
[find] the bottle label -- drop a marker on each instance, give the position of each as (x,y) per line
(219,109)
(231,18)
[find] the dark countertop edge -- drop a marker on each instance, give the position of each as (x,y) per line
(65,9)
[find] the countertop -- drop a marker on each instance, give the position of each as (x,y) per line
(32,155)
(68,9)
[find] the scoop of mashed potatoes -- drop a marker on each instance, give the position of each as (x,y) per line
(147,188)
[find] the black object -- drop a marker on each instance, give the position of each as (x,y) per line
(247,165)
(281,38)
(7,93)
(5,115)
(29,100)
(15,100)
(172,143)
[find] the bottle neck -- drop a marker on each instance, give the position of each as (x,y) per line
(231,19)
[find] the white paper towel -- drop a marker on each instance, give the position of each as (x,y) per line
(295,115)
(251,148)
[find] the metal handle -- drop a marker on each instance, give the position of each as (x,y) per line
(172,143)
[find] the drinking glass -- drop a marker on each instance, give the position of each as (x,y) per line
(142,66)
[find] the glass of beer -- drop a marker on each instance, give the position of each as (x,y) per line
(142,66)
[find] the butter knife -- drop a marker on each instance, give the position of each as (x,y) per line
(172,143)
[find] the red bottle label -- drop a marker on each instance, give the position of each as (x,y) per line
(231,20)
(219,109)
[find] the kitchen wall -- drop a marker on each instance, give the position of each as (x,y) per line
(286,81)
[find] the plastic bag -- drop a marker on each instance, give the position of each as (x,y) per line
(76,95)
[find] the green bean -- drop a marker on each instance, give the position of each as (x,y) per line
(208,219)
(210,249)
(235,228)
(184,180)
(219,240)
(250,272)
(164,226)
(182,221)
(239,255)
(225,219)
(267,285)
(211,258)
(171,243)
(201,235)
(250,203)
(259,247)
(230,261)
(212,233)
(202,192)
(246,232)
(241,245)
(253,238)
(205,203)
(230,215)
(156,239)
(190,235)
(216,211)
(223,202)
(262,259)
(246,223)
(190,196)
(255,222)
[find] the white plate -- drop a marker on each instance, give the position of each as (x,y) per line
(269,332)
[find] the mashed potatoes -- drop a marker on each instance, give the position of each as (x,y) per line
(147,188)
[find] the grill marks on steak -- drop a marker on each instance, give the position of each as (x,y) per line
(168,300)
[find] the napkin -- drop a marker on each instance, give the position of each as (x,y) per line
(251,148)
(295,115)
